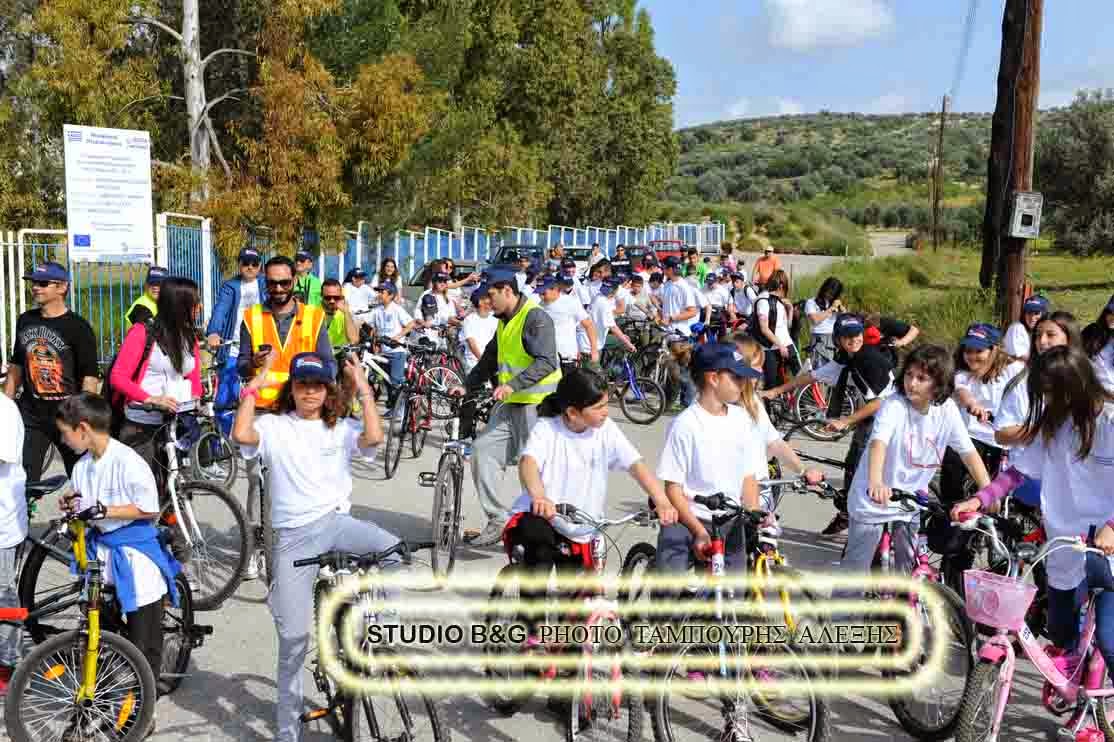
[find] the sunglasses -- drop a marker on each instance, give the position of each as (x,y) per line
(283,284)
(332,298)
(250,264)
(42,284)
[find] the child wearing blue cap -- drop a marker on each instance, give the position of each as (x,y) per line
(1019,334)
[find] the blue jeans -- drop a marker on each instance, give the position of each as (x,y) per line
(1064,605)
(398,367)
(11,635)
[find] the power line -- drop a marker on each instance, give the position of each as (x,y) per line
(964,49)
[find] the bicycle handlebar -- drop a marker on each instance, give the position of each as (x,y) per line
(574,514)
(341,559)
(719,502)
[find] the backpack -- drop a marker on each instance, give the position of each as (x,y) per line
(795,320)
(756,328)
(114,396)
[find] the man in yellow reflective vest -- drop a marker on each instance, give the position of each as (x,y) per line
(147,305)
(522,357)
(289,327)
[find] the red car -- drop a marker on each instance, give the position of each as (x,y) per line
(668,248)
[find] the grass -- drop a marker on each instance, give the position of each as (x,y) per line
(939,292)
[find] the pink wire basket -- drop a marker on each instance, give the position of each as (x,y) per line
(994,600)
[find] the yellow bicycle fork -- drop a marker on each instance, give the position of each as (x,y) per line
(761,572)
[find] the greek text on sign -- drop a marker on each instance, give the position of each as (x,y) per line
(108,194)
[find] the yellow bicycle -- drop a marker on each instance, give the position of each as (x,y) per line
(81,684)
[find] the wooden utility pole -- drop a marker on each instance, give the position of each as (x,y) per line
(938,178)
(1011,151)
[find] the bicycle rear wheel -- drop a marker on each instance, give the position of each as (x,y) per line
(446,513)
(418,422)
(177,637)
(642,402)
(505,591)
(440,379)
(638,562)
(214,459)
(215,561)
(812,402)
(40,703)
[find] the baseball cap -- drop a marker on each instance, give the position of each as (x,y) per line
(565,280)
(387,286)
(441,277)
(607,288)
(546,283)
(722,357)
(157,274)
(568,263)
(496,275)
(303,255)
(656,276)
(738,277)
(477,295)
(1110,304)
(48,271)
(309,367)
(672,262)
(981,336)
(848,325)
(250,255)
(1035,304)
(359,273)
(429,300)
(768,248)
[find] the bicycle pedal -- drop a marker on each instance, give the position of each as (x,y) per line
(198,634)
(314,714)
(427,479)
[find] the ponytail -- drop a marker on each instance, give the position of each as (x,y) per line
(580,388)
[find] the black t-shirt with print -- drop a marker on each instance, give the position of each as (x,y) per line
(55,354)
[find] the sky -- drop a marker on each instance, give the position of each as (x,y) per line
(749,58)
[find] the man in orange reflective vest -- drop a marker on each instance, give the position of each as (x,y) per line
(289,327)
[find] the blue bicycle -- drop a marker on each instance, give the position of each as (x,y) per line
(641,399)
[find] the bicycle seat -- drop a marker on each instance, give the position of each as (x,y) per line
(43,487)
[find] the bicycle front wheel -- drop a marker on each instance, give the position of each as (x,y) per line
(978,709)
(418,422)
(446,513)
(41,698)
(396,431)
(440,379)
(686,708)
(402,715)
(215,560)
(642,402)
(604,712)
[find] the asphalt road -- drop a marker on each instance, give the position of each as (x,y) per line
(230,694)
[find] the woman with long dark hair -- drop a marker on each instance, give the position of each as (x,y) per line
(1098,341)
(1071,426)
(822,311)
(1019,335)
(163,371)
(387,273)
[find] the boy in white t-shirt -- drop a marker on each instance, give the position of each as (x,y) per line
(603,317)
(13,530)
(573,331)
(115,489)
(391,321)
(477,330)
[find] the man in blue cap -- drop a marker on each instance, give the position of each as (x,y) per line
(307,287)
(523,358)
(146,307)
(55,357)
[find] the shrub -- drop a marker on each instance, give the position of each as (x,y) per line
(751,244)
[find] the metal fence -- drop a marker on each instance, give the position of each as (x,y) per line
(102,292)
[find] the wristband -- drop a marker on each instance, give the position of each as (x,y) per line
(249,392)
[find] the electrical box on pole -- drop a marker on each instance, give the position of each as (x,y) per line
(1025,223)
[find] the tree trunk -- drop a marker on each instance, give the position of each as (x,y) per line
(194,76)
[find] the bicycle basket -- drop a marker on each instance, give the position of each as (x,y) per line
(995,600)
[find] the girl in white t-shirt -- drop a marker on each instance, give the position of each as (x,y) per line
(911,431)
(821,311)
(1018,339)
(571,449)
(308,449)
(983,371)
(1020,477)
(1098,340)
(1071,425)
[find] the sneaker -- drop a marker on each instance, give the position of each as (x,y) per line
(838,525)
(254,566)
(5,679)
(491,534)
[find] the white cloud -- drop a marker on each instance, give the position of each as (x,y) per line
(802,25)
(1056,98)
(889,103)
(738,109)
(789,107)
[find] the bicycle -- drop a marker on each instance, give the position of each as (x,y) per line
(641,399)
(348,714)
(1076,683)
(214,457)
(447,483)
(86,682)
(611,714)
(736,665)
(202,545)
(941,710)
(53,597)
(807,408)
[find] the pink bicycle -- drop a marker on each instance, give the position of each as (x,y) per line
(1074,682)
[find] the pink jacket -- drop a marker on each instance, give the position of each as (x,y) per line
(128,359)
